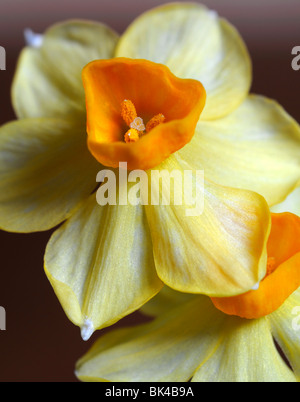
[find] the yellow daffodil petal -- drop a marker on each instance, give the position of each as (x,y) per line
(194,43)
(227,349)
(46,171)
(48,78)
(285,323)
(290,204)
(247,353)
(257,147)
(168,349)
(87,366)
(164,301)
(100,264)
(221,250)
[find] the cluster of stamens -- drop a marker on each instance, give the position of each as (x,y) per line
(136,124)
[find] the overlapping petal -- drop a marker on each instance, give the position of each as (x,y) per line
(100,264)
(285,323)
(194,43)
(290,204)
(220,250)
(48,79)
(192,341)
(164,301)
(247,353)
(169,349)
(46,171)
(257,147)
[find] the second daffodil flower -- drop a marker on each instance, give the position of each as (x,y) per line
(218,340)
(144,98)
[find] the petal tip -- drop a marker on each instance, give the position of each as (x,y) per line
(33,39)
(87,329)
(256,286)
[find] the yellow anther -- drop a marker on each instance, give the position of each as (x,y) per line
(155,121)
(128,112)
(271,265)
(132,135)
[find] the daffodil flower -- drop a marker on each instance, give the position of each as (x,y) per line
(141,97)
(192,339)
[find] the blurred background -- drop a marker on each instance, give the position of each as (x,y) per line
(40,344)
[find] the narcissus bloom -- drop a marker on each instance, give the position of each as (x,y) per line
(192,339)
(142,102)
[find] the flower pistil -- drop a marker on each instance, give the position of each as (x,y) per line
(136,123)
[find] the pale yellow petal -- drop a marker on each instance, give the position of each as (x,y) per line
(285,324)
(48,78)
(220,250)
(290,204)
(246,353)
(46,171)
(164,301)
(227,349)
(194,43)
(100,264)
(257,147)
(168,349)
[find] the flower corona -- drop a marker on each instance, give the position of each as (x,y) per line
(121,94)
(282,273)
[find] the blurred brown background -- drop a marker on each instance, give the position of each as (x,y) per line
(40,344)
